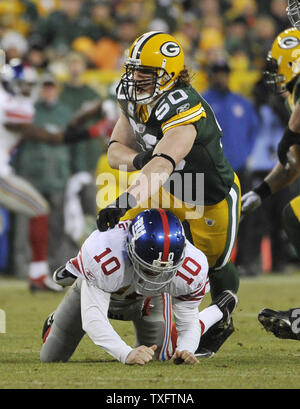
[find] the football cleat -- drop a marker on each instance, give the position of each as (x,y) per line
(212,340)
(47,326)
(63,277)
(43,283)
(279,323)
(204,353)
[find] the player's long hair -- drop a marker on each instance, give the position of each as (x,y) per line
(184,77)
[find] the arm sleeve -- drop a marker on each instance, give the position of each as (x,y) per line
(187,325)
(94,307)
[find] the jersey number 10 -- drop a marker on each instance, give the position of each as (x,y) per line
(112,264)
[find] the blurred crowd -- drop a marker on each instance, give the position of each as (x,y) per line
(45,31)
(78,47)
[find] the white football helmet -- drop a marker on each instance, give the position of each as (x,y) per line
(19,78)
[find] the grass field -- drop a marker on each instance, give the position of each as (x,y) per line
(251,357)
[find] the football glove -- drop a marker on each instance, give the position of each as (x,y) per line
(142,158)
(250,201)
(110,216)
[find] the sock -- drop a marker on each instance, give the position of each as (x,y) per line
(38,269)
(209,316)
(38,237)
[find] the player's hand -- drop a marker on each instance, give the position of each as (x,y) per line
(141,355)
(250,201)
(142,158)
(184,357)
(110,216)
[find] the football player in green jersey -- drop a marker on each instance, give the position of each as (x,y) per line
(283,74)
(169,132)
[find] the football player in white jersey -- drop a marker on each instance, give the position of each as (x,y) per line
(141,271)
(17,96)
(16,194)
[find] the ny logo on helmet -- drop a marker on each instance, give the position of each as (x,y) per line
(170,49)
(138,228)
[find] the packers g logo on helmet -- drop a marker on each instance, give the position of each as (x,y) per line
(170,49)
(283,61)
(161,57)
(288,42)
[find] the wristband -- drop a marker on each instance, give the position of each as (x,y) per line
(110,142)
(291,137)
(263,190)
(162,155)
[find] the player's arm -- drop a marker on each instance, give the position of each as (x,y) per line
(294,121)
(170,150)
(33,132)
(94,308)
(121,150)
(291,136)
(73,133)
(279,178)
(188,328)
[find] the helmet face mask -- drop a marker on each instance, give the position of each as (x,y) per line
(283,61)
(154,269)
(293,12)
(151,278)
(271,77)
(157,55)
(143,91)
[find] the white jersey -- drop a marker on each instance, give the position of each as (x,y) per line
(13,109)
(103,261)
(107,274)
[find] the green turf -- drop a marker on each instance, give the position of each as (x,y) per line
(251,357)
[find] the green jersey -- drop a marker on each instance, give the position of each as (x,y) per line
(183,105)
